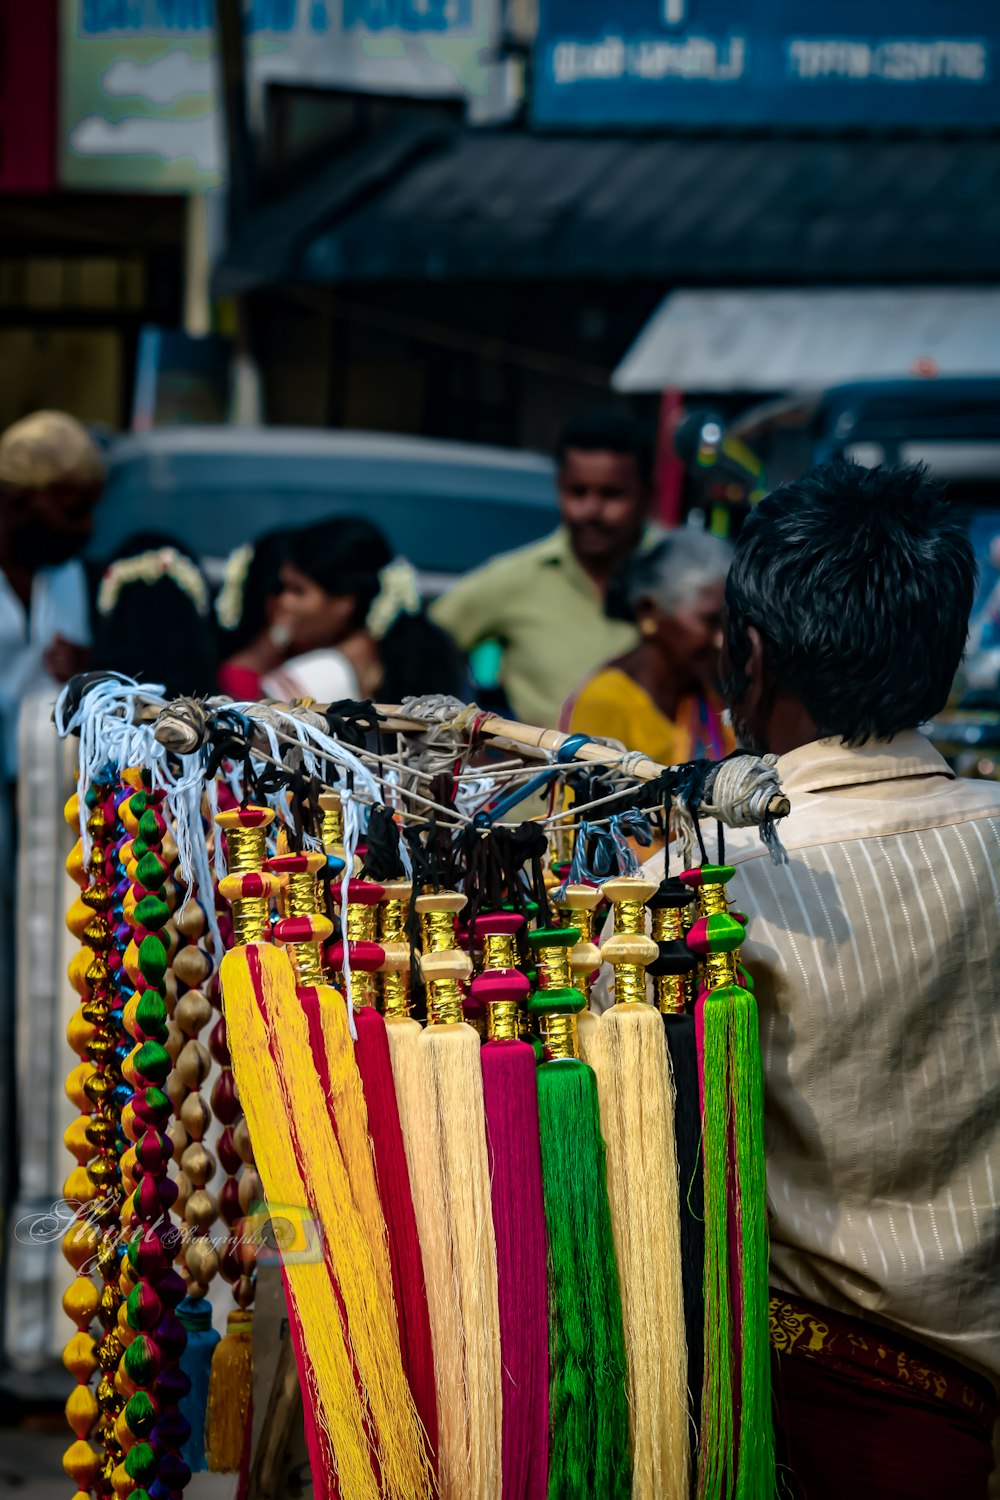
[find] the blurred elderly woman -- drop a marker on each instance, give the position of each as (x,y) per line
(661,697)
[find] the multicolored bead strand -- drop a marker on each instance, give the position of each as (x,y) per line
(149,1427)
(94,1141)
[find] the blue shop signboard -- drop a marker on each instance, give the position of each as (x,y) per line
(768,62)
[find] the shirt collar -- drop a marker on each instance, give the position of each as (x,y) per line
(556,548)
(824,764)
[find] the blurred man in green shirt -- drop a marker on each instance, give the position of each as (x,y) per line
(544,604)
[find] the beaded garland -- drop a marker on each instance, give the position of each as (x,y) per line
(94,1141)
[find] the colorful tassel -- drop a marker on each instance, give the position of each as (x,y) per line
(510,1101)
(672,974)
(588,1406)
(737,1455)
(440,1092)
(629,1058)
(227,1412)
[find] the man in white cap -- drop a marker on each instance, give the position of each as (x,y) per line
(51,476)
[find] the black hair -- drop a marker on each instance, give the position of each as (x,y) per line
(155,632)
(860,582)
(345,555)
(260,583)
(609,430)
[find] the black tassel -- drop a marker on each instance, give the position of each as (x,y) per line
(683,1051)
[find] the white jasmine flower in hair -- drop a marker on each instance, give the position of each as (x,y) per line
(398,595)
(150,567)
(229,604)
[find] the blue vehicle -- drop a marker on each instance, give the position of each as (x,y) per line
(446,507)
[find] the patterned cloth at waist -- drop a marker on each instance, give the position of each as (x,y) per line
(878,1356)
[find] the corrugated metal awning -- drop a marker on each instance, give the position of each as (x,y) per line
(476,204)
(797,339)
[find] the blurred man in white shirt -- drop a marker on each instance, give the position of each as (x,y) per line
(51,476)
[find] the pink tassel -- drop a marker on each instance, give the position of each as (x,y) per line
(511,1102)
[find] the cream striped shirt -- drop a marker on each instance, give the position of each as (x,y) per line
(876,956)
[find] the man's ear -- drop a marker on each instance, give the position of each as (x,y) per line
(754,672)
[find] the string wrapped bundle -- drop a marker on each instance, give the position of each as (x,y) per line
(736,1453)
(627,1052)
(588,1406)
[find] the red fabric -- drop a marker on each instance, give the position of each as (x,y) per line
(239,682)
(871,1415)
(375,1066)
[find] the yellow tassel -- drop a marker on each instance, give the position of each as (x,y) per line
(287,1164)
(351,1113)
(338,1410)
(229,1392)
(628,1053)
(440,1093)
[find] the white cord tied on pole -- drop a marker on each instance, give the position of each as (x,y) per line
(739,792)
(110,739)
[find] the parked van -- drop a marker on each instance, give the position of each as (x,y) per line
(446,507)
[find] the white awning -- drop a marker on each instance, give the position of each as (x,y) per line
(787,340)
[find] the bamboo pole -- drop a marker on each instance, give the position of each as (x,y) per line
(508,732)
(549,741)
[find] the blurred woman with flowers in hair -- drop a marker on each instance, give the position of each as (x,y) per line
(346,621)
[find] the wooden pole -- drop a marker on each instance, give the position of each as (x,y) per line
(395,720)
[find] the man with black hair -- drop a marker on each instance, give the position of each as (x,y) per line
(544,604)
(876,956)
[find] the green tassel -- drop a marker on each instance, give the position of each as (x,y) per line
(734,1113)
(588,1380)
(716,1442)
(756,1474)
(537,1046)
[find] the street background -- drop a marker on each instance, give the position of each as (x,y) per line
(235,236)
